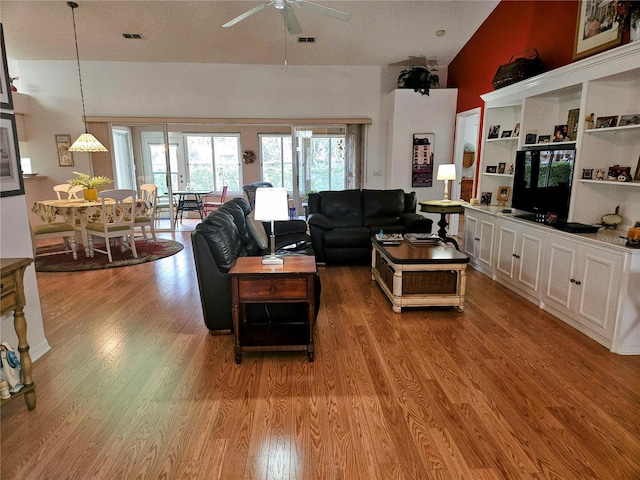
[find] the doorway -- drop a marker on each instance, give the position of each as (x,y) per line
(465,159)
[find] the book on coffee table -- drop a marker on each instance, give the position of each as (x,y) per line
(389,238)
(422,238)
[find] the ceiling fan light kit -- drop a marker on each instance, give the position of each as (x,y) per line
(289,16)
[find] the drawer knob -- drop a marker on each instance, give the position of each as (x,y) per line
(272,289)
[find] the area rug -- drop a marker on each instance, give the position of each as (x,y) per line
(148,251)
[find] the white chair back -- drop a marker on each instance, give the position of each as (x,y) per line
(60,189)
(148,193)
(73,191)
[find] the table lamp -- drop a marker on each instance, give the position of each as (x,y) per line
(446,172)
(271,204)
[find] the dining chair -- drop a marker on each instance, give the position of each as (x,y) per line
(60,189)
(211,201)
(149,193)
(117,221)
(62,230)
(73,191)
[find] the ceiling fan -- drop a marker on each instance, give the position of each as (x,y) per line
(290,20)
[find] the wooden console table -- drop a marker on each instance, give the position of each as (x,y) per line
(12,299)
(292,282)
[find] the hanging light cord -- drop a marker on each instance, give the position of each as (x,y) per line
(73,6)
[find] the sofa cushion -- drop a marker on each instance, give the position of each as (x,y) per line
(344,208)
(347,237)
(223,238)
(382,207)
(257,231)
(239,218)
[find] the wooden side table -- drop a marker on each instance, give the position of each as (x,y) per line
(292,282)
(12,299)
(444,208)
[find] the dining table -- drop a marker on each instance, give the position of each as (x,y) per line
(78,212)
(189,201)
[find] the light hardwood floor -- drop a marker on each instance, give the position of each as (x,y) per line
(135,388)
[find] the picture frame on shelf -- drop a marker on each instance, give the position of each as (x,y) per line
(492,169)
(561,133)
(506,134)
(65,157)
(494,132)
(587,173)
(544,138)
(11,181)
(572,124)
(516,130)
(626,120)
(6,100)
(531,137)
(485,198)
(510,168)
(620,174)
(636,177)
(607,122)
(501,167)
(503,194)
(595,34)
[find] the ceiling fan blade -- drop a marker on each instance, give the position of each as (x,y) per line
(290,20)
(239,18)
(331,12)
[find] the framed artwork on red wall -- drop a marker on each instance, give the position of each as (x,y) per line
(596,28)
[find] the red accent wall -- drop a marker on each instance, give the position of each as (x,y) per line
(513,26)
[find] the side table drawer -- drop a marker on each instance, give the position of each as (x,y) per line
(8,294)
(286,289)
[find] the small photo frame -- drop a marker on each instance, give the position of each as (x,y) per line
(6,100)
(494,131)
(501,167)
(485,198)
(506,134)
(510,169)
(516,130)
(544,138)
(11,181)
(607,122)
(636,177)
(572,123)
(492,169)
(531,137)
(503,194)
(587,173)
(561,133)
(65,157)
(626,120)
(620,174)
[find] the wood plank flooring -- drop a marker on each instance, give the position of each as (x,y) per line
(135,388)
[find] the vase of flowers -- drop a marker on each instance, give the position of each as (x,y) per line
(628,13)
(90,184)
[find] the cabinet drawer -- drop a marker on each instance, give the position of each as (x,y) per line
(7,284)
(265,289)
(8,294)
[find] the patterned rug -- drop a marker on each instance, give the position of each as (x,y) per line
(148,251)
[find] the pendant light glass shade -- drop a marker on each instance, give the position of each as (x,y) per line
(85,142)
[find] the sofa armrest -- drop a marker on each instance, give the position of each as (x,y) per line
(416,223)
(321,221)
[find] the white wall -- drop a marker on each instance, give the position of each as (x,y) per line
(409,113)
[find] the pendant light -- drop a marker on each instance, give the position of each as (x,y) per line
(85,142)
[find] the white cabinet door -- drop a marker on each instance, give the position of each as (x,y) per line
(582,283)
(519,256)
(486,234)
(479,230)
(470,234)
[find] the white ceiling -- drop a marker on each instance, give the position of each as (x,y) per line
(379,33)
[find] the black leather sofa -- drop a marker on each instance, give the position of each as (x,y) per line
(218,241)
(342,222)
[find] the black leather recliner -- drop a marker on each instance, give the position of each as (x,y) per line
(342,222)
(218,241)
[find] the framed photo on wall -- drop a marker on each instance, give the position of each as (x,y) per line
(11,182)
(596,28)
(65,157)
(6,100)
(422,162)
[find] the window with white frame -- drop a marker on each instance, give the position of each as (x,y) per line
(213,161)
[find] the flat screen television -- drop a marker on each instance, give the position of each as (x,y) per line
(542,183)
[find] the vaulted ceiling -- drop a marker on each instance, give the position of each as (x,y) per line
(379,33)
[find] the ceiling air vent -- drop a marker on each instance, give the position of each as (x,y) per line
(134,36)
(306,39)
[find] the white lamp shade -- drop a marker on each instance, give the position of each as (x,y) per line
(271,204)
(446,171)
(87,143)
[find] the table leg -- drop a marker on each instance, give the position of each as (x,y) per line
(442,232)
